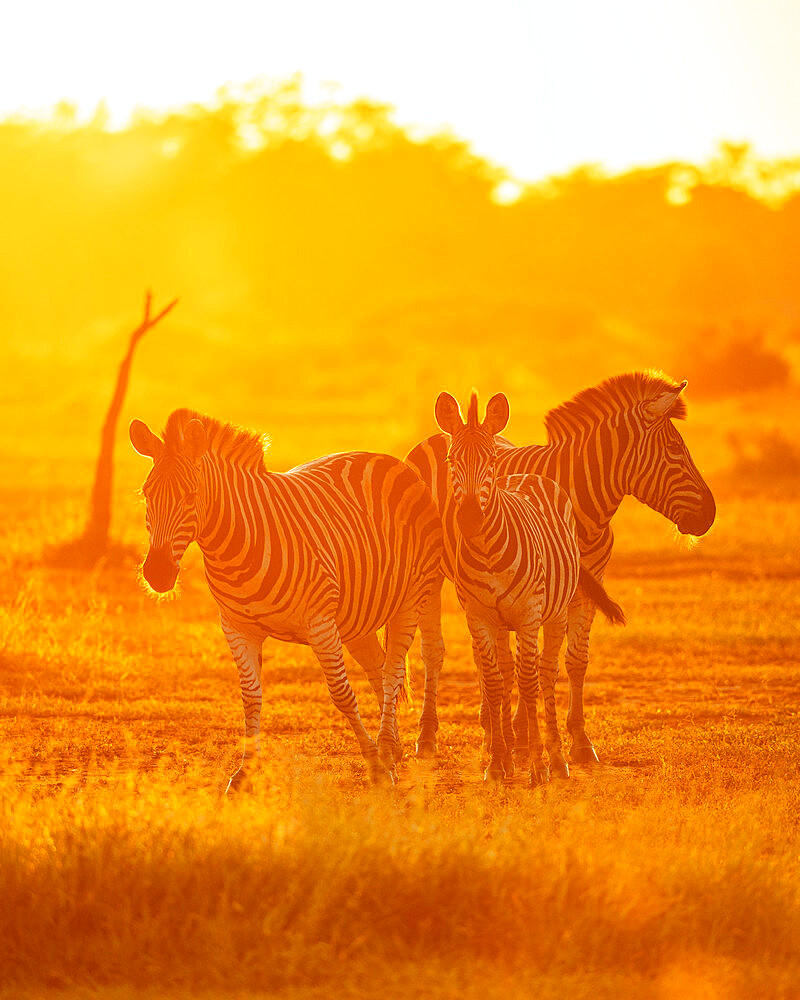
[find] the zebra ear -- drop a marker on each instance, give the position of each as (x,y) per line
(448,413)
(661,405)
(144,441)
(195,439)
(497,414)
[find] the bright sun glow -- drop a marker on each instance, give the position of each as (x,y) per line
(538,88)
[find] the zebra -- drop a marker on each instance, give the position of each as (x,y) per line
(322,555)
(517,566)
(611,440)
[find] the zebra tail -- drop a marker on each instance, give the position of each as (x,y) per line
(406,694)
(596,592)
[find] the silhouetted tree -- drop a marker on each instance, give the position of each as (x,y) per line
(93,544)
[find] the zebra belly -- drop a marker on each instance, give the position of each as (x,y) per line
(508,613)
(264,623)
(263,620)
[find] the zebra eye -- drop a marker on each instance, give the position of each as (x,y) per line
(190,498)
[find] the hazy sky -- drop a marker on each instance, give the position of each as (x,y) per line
(536,86)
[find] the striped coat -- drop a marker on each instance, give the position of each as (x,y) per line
(516,567)
(612,440)
(322,555)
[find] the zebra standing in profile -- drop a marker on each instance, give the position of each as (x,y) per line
(322,555)
(612,440)
(517,566)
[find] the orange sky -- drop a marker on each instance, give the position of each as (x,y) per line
(538,87)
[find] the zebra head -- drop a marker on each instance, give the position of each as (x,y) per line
(472,456)
(172,492)
(663,475)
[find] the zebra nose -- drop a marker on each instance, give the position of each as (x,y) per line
(470,516)
(160,570)
(699,521)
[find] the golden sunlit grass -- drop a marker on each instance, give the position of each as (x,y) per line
(669,871)
(150,883)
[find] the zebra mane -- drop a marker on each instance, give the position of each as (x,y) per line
(615,395)
(235,444)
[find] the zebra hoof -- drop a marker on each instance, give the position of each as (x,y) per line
(381,777)
(239,782)
(426,749)
(583,753)
(540,775)
(495,772)
(508,766)
(559,768)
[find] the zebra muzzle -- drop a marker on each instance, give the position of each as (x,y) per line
(469,516)
(160,570)
(699,521)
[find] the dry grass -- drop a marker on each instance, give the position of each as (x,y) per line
(670,870)
(155,884)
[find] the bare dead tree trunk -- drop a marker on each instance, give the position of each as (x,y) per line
(95,536)
(94,542)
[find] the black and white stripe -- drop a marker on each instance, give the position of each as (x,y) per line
(516,567)
(323,555)
(611,440)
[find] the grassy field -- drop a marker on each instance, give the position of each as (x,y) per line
(669,870)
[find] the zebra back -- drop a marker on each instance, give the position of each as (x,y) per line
(353,535)
(539,513)
(350,537)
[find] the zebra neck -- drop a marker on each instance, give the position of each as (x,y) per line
(237,505)
(484,543)
(590,467)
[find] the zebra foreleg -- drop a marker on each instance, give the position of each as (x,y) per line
(579,624)
(505,661)
(484,715)
(528,679)
(324,639)
(247,655)
(484,639)
(399,636)
(432,642)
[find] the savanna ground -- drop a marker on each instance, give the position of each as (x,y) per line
(669,870)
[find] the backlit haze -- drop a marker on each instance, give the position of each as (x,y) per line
(536,87)
(360,204)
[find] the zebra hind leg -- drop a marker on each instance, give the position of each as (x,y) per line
(580,617)
(369,655)
(323,637)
